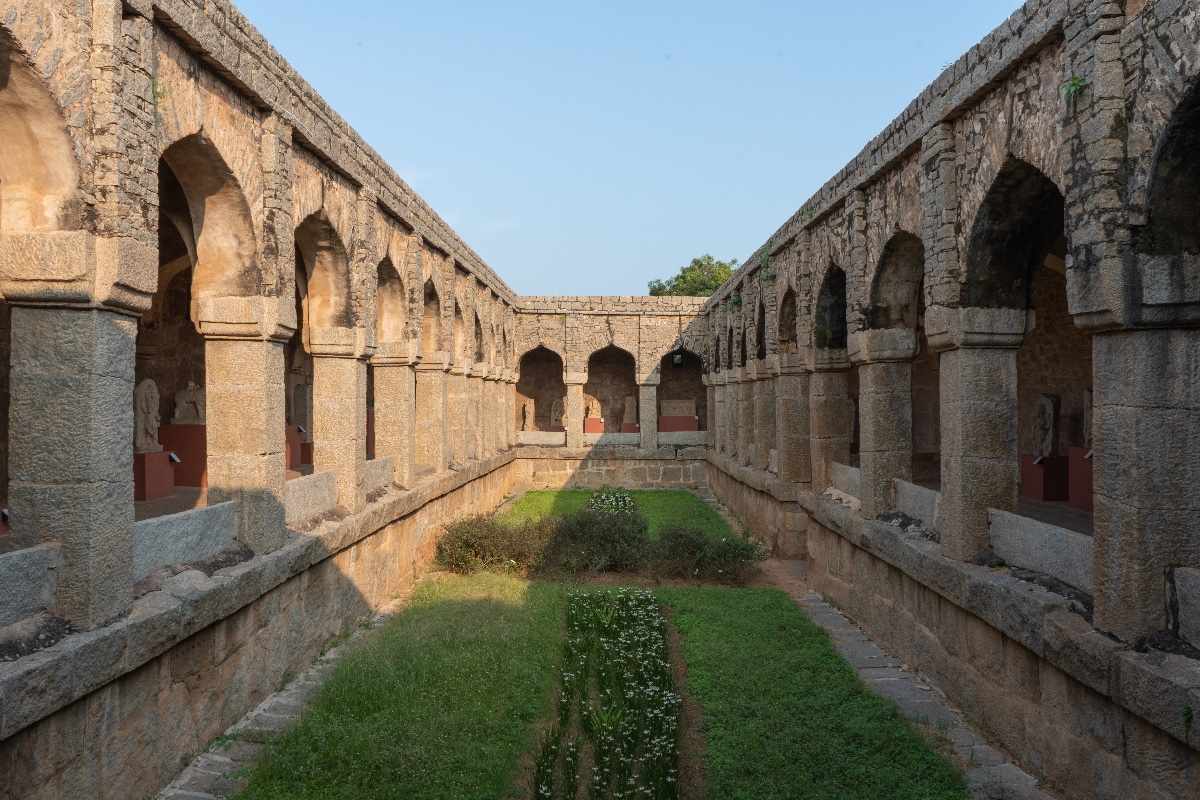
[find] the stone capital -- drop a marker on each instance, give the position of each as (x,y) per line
(478,370)
(394,354)
(339,343)
(829,360)
(572,378)
(954,328)
(792,364)
(882,345)
(241,318)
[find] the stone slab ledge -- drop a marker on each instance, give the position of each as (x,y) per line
(611,453)
(1156,686)
(44,682)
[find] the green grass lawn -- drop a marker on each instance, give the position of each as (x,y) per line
(785,716)
(444,703)
(662,509)
(439,704)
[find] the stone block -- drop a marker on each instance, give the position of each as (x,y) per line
(183,538)
(1187,603)
(310,498)
(27,582)
(1040,547)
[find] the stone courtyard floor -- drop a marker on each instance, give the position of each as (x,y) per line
(221,772)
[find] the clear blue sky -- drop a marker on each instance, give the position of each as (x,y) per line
(587,148)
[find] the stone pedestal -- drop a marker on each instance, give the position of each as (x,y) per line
(648,415)
(831,419)
(593,425)
(153,475)
(1146,440)
(190,444)
(71,451)
(429,421)
(792,430)
(395,405)
(1047,481)
(340,419)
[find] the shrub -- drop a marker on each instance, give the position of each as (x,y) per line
(598,541)
(688,553)
(608,500)
(484,543)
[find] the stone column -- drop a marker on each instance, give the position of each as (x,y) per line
(510,415)
(487,416)
(980,463)
(456,415)
(884,359)
(648,415)
(244,427)
(1146,428)
(764,414)
(792,420)
(340,410)
(476,412)
(745,415)
(831,415)
(395,409)
(575,411)
(71,451)
(710,408)
(432,440)
(728,421)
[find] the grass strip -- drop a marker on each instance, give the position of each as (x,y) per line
(439,704)
(785,716)
(663,509)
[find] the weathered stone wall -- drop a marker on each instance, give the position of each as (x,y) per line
(629,468)
(201,651)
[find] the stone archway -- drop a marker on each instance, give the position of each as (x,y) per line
(612,390)
(541,392)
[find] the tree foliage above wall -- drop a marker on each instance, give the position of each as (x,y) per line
(700,278)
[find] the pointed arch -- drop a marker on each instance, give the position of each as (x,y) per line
(541,391)
(612,387)
(326,267)
(829,331)
(391,319)
(787,322)
(39,173)
(221,230)
(896,298)
(431,320)
(1020,221)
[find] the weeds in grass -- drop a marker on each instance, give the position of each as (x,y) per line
(616,687)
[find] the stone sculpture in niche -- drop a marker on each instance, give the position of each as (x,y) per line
(146,417)
(593,409)
(190,406)
(1047,422)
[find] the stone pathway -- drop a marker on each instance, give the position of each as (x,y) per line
(221,772)
(990,774)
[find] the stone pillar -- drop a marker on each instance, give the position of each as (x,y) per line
(1146,426)
(510,415)
(831,416)
(885,413)
(648,415)
(395,409)
(456,416)
(476,412)
(487,415)
(764,414)
(980,462)
(728,422)
(710,408)
(340,411)
(431,439)
(575,412)
(71,451)
(792,420)
(244,427)
(745,415)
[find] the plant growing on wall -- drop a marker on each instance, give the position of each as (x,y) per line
(1072,89)
(736,300)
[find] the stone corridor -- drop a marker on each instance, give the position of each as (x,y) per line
(247,374)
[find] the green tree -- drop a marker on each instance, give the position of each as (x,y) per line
(700,278)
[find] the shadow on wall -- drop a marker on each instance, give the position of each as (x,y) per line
(204,646)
